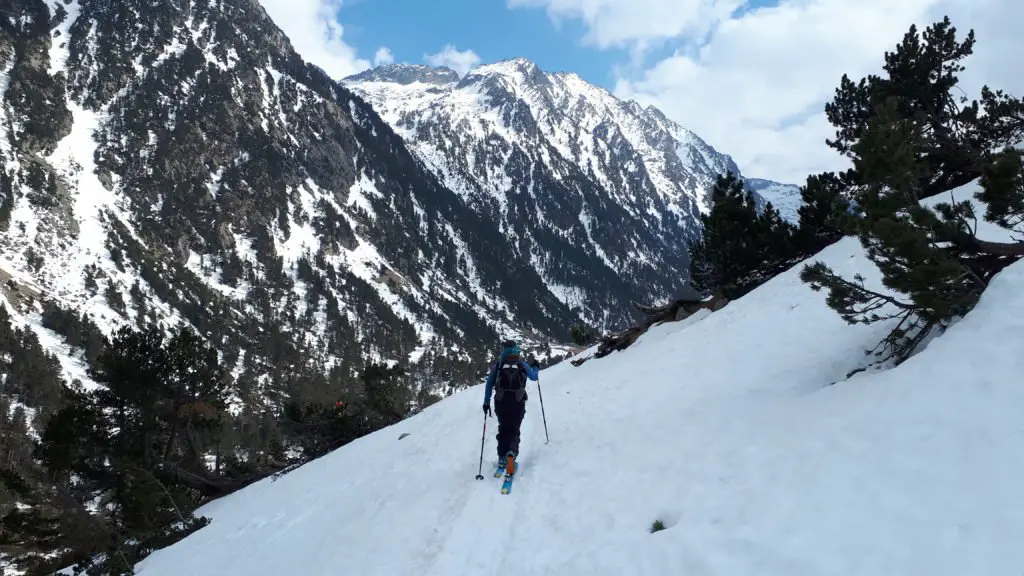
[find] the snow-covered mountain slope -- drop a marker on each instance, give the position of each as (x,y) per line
(784,197)
(600,194)
(178,162)
(736,429)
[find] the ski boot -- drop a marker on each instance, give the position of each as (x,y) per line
(510,463)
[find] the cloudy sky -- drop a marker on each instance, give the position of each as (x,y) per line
(751,78)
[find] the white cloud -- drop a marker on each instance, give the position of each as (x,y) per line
(383,56)
(316,34)
(755,84)
(460,61)
(622,22)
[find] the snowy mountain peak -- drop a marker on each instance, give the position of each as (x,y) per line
(511,67)
(405,74)
(506,77)
(568,172)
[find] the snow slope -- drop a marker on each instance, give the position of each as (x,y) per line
(737,429)
(784,197)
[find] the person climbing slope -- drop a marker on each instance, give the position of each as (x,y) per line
(507,380)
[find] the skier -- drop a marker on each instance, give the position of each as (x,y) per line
(507,379)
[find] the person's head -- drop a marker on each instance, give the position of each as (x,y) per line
(509,348)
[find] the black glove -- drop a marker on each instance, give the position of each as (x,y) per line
(533,362)
(487,408)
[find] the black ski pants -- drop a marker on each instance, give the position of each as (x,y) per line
(510,415)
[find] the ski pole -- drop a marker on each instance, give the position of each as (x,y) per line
(480,472)
(543,417)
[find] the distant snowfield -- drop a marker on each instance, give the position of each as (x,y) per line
(727,428)
(785,198)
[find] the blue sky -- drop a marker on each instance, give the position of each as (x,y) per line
(493,31)
(487,27)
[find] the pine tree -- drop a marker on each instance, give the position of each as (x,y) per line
(738,248)
(921,78)
(580,335)
(910,139)
(139,443)
(825,214)
(387,395)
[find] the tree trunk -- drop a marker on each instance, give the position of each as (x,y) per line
(999,248)
(215,486)
(193,444)
(170,441)
(655,315)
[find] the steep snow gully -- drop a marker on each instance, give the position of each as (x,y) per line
(737,430)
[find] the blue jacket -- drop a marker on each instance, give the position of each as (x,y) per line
(531,373)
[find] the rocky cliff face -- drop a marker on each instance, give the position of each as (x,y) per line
(178,162)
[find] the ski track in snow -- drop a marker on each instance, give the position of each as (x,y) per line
(737,429)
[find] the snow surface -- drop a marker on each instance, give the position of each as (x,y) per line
(59,49)
(737,429)
(784,197)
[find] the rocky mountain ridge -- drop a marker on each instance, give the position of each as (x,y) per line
(178,162)
(600,194)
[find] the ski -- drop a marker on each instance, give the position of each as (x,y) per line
(506,486)
(499,470)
